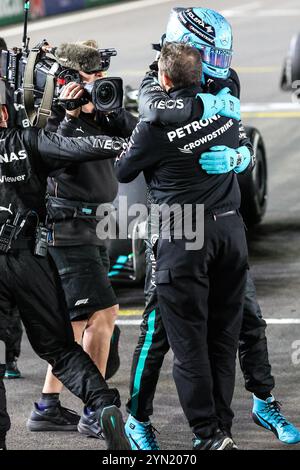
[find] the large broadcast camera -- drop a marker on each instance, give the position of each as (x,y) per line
(37,77)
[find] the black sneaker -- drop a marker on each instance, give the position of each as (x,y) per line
(54,418)
(89,424)
(2,441)
(12,371)
(228,434)
(113,361)
(110,427)
(219,441)
(113,429)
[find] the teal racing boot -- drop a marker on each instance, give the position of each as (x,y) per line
(141,435)
(266,413)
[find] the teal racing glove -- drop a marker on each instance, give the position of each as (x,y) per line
(221,159)
(223,104)
(245,161)
(231,104)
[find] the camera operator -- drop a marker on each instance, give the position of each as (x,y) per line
(80,256)
(29,279)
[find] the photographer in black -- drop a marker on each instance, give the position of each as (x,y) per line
(80,256)
(29,278)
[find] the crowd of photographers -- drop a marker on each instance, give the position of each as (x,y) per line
(201,304)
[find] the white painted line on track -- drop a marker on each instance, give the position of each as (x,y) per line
(259,13)
(269,321)
(128,322)
(282,321)
(83,15)
(271,110)
(261,107)
(288,12)
(240,10)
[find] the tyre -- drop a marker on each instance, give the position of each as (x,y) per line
(291,69)
(254,185)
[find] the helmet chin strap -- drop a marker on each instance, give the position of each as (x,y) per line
(211,74)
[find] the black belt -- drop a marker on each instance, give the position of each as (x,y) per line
(22,244)
(60,209)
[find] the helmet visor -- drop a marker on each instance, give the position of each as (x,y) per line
(215,57)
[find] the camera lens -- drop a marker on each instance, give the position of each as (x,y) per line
(106,93)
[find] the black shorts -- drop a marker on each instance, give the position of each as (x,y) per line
(83,272)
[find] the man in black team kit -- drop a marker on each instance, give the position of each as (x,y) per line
(80,256)
(4,417)
(154,106)
(29,279)
(200,289)
(13,331)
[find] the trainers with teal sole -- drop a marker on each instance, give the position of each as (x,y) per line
(113,429)
(12,371)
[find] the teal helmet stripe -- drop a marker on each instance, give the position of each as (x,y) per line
(203,31)
(141,361)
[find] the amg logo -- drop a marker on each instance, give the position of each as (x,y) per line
(12,179)
(81,302)
(169,104)
(12,157)
(194,126)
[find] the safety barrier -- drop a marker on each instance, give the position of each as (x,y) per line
(11,11)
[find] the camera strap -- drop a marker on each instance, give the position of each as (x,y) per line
(38,118)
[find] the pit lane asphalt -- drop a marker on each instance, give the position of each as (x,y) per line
(262,32)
